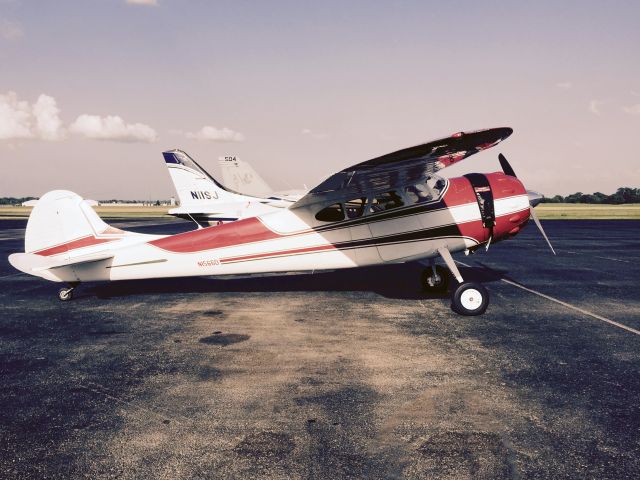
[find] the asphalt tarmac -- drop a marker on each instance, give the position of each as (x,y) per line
(350,374)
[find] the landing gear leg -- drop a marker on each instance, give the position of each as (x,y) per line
(468,298)
(435,279)
(66,294)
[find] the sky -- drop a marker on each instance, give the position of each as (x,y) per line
(92,91)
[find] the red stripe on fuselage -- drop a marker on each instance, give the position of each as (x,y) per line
(294,251)
(73,244)
(235,233)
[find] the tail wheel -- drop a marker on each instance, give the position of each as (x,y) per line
(470,298)
(65,294)
(437,283)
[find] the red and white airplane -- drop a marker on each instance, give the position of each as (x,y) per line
(391,209)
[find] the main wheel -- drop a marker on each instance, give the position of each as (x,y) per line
(470,298)
(65,294)
(437,283)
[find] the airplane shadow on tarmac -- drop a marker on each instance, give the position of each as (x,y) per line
(400,281)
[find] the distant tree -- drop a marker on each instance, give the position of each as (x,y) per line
(15,200)
(574,197)
(554,199)
(622,196)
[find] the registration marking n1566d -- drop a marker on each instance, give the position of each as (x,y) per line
(212,262)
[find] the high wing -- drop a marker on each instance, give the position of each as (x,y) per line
(407,166)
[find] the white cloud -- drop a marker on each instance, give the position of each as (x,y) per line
(632,109)
(148,3)
(20,120)
(635,94)
(311,133)
(48,123)
(216,134)
(594,106)
(10,30)
(112,127)
(564,85)
(15,117)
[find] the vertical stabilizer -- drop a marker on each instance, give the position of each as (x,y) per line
(241,177)
(194,186)
(61,217)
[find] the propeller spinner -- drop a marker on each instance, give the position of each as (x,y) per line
(534,198)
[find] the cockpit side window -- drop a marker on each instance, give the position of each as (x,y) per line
(418,193)
(425,191)
(386,201)
(332,213)
(355,207)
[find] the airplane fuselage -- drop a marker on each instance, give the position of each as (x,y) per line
(294,240)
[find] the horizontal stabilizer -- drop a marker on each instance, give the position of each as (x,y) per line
(31,263)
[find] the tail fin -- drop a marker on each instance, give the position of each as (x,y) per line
(63,230)
(60,220)
(195,187)
(243,178)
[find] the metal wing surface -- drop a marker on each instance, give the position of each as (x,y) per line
(407,166)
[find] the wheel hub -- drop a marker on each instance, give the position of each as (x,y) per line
(471,299)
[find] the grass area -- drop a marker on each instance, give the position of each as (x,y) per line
(120,211)
(546,211)
(580,211)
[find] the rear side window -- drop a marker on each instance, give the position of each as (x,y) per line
(386,201)
(332,213)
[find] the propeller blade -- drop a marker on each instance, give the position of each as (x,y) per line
(506,168)
(539,225)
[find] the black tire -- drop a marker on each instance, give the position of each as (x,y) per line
(65,294)
(440,286)
(470,298)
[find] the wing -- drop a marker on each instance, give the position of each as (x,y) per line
(404,167)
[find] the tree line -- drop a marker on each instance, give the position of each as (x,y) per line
(621,196)
(15,200)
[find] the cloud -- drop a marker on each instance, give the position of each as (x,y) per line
(594,106)
(216,134)
(564,85)
(146,3)
(311,133)
(112,127)
(10,30)
(635,94)
(48,123)
(20,120)
(632,109)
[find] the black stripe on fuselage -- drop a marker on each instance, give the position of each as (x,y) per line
(446,231)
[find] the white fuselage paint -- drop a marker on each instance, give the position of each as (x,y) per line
(295,247)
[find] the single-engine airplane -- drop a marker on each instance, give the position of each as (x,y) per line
(391,209)
(239,176)
(207,202)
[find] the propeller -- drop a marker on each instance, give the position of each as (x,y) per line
(534,198)
(506,168)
